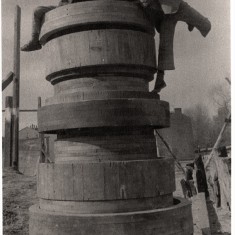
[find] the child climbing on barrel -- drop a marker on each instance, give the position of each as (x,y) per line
(164,15)
(38,17)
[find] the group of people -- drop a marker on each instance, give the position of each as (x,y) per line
(162,14)
(201,180)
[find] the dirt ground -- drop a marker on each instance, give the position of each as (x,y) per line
(19,193)
(219,219)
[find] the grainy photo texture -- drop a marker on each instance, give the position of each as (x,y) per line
(116,117)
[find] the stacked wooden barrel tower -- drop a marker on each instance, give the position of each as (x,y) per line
(107,178)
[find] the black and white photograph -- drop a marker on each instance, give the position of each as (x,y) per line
(116,117)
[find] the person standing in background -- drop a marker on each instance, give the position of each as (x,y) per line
(201,176)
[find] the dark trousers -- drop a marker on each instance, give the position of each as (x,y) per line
(165,25)
(38,17)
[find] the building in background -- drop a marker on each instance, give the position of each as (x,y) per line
(179,136)
(29,132)
(30,149)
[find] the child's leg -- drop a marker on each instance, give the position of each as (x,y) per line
(165,52)
(186,14)
(160,83)
(38,17)
(193,18)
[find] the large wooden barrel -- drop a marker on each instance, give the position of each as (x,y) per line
(101,62)
(107,177)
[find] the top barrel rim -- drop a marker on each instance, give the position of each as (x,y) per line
(91,15)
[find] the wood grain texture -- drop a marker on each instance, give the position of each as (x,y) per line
(106,180)
(104,113)
(200,216)
(16,88)
(7,80)
(108,206)
(99,95)
(102,48)
(105,148)
(224,176)
(108,83)
(7,148)
(96,71)
(107,177)
(173,220)
(84,15)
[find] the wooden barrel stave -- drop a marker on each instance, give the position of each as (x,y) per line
(173,220)
(107,177)
(101,181)
(111,51)
(101,84)
(104,113)
(94,14)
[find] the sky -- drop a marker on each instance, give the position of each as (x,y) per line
(201,63)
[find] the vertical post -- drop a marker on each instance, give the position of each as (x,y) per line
(16,88)
(8,133)
(218,141)
(41,137)
(47,150)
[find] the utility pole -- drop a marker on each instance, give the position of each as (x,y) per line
(16,88)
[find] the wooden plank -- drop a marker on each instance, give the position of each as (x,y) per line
(16,88)
(105,83)
(176,219)
(109,206)
(8,133)
(104,113)
(89,181)
(42,181)
(200,213)
(58,183)
(93,179)
(78,186)
(113,147)
(50,179)
(106,49)
(67,179)
(218,141)
(134,177)
(7,80)
(224,181)
(41,137)
(111,171)
(99,95)
(47,149)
